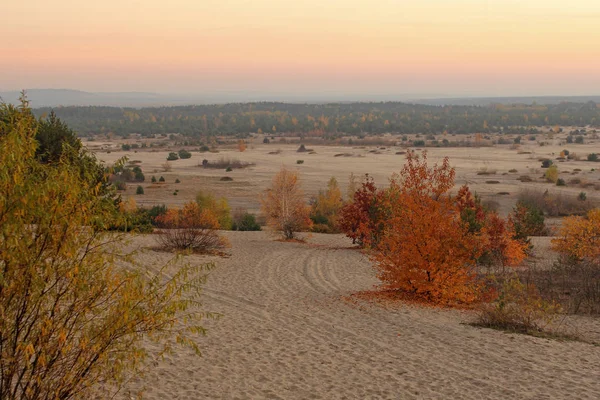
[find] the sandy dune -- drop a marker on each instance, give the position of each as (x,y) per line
(286,333)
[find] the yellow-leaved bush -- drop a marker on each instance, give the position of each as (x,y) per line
(73,312)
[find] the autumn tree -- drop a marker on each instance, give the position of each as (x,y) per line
(284,206)
(579,237)
(551,173)
(219,207)
(71,316)
(326,207)
(426,248)
(499,241)
(241,145)
(363,218)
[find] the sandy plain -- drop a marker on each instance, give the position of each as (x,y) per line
(288,330)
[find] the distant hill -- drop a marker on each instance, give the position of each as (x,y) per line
(486,101)
(68,97)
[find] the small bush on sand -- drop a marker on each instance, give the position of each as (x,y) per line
(244,221)
(139,190)
(224,163)
(190,228)
(518,308)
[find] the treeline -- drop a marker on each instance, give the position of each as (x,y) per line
(327,120)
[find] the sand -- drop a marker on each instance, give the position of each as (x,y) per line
(286,332)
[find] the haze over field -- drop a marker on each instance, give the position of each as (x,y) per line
(310,50)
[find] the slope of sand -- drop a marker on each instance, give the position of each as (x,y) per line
(287,333)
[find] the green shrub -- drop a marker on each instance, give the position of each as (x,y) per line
(139,190)
(582,196)
(172,157)
(244,221)
(184,154)
(228,169)
(161,179)
(592,157)
(299,161)
(153,179)
(177,180)
(560,182)
(546,163)
(125,147)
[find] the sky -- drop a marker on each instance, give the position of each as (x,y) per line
(353,48)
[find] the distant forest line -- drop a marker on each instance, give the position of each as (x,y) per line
(328,120)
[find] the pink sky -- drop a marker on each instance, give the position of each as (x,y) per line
(440,47)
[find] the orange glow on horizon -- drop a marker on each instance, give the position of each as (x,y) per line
(426,46)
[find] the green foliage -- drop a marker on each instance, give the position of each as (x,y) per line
(125,147)
(299,161)
(592,157)
(139,190)
(579,139)
(349,118)
(228,169)
(177,180)
(547,163)
(161,179)
(153,179)
(184,154)
(527,220)
(560,182)
(418,143)
(172,157)
(244,221)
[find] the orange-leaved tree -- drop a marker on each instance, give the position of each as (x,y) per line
(284,206)
(242,145)
(500,244)
(190,228)
(579,237)
(426,248)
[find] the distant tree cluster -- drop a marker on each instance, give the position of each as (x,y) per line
(329,120)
